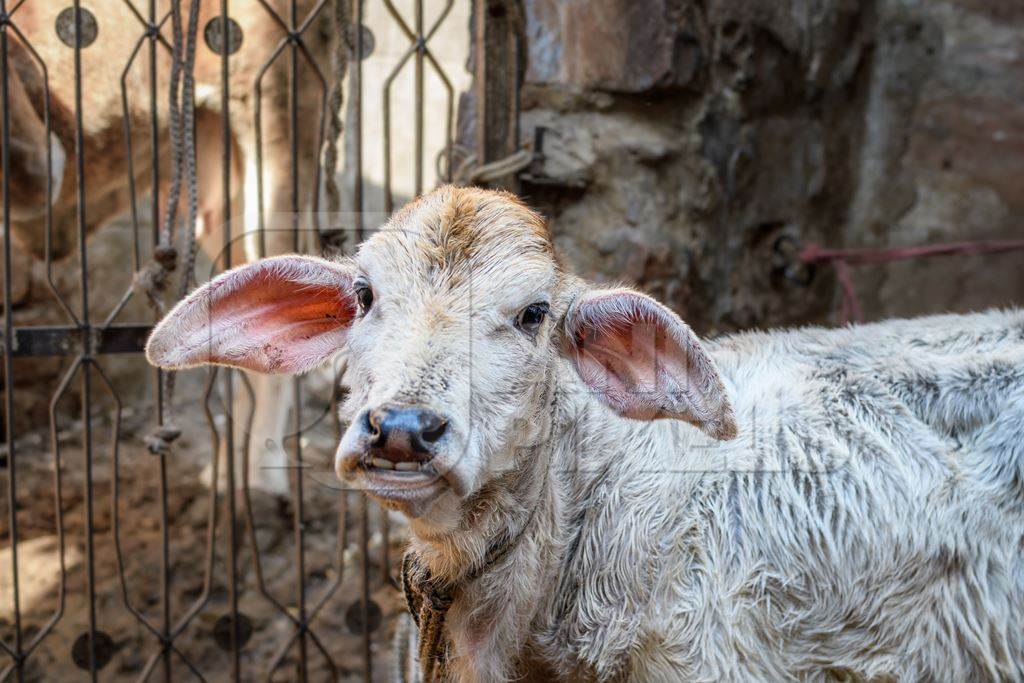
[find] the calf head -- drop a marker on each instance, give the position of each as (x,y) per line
(454,319)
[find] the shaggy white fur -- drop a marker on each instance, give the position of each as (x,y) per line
(866,524)
(863,521)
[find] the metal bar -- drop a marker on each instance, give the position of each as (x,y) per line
(135,12)
(121,339)
(310,17)
(437,22)
(48,220)
(12,482)
(119,551)
(58,506)
(154,129)
(300,548)
(211,523)
(301,28)
(300,552)
(385,550)
(393,11)
(158,384)
(127,126)
(418,104)
(165,571)
(389,198)
(258,125)
(364,543)
(58,509)
(87,357)
(14,9)
(449,113)
(357,124)
(339,560)
(229,393)
(65,340)
(250,518)
(321,136)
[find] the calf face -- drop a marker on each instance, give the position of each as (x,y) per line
(453,319)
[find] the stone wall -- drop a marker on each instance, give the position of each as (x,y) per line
(684,137)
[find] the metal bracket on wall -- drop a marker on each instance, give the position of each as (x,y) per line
(534,173)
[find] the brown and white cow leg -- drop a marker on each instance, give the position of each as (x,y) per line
(270,462)
(215,218)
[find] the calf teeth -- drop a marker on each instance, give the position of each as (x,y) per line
(407,466)
(382,463)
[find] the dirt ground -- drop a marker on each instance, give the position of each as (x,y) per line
(134,491)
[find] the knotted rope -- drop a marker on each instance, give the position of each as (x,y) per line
(153,278)
(428,603)
(339,63)
(469,173)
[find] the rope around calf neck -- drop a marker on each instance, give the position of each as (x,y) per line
(428,601)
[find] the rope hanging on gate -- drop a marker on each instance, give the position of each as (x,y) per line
(339,65)
(152,280)
(841,260)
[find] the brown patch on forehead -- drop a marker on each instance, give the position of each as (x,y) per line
(472,215)
(455,226)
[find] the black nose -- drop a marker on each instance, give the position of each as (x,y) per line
(404,432)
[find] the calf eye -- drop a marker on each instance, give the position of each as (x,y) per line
(365,296)
(530,318)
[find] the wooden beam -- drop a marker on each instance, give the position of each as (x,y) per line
(497,57)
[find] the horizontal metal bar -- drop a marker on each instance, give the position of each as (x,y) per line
(66,340)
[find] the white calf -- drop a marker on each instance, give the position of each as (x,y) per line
(816,504)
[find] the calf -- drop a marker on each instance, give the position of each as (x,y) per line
(596,494)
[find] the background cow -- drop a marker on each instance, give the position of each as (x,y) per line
(261,186)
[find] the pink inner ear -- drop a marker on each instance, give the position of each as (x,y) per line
(288,327)
(633,365)
(281,315)
(645,363)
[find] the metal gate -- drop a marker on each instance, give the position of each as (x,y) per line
(81,561)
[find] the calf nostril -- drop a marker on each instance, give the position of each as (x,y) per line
(401,433)
(372,424)
(433,428)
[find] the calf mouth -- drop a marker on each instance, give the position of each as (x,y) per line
(396,484)
(376,464)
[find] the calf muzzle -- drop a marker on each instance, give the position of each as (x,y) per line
(403,437)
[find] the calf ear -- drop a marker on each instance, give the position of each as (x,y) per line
(644,362)
(279,315)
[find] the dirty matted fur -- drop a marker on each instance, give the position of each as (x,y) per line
(866,524)
(790,505)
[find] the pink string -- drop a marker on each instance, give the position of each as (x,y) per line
(842,259)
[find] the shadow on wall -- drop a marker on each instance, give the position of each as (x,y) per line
(683,140)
